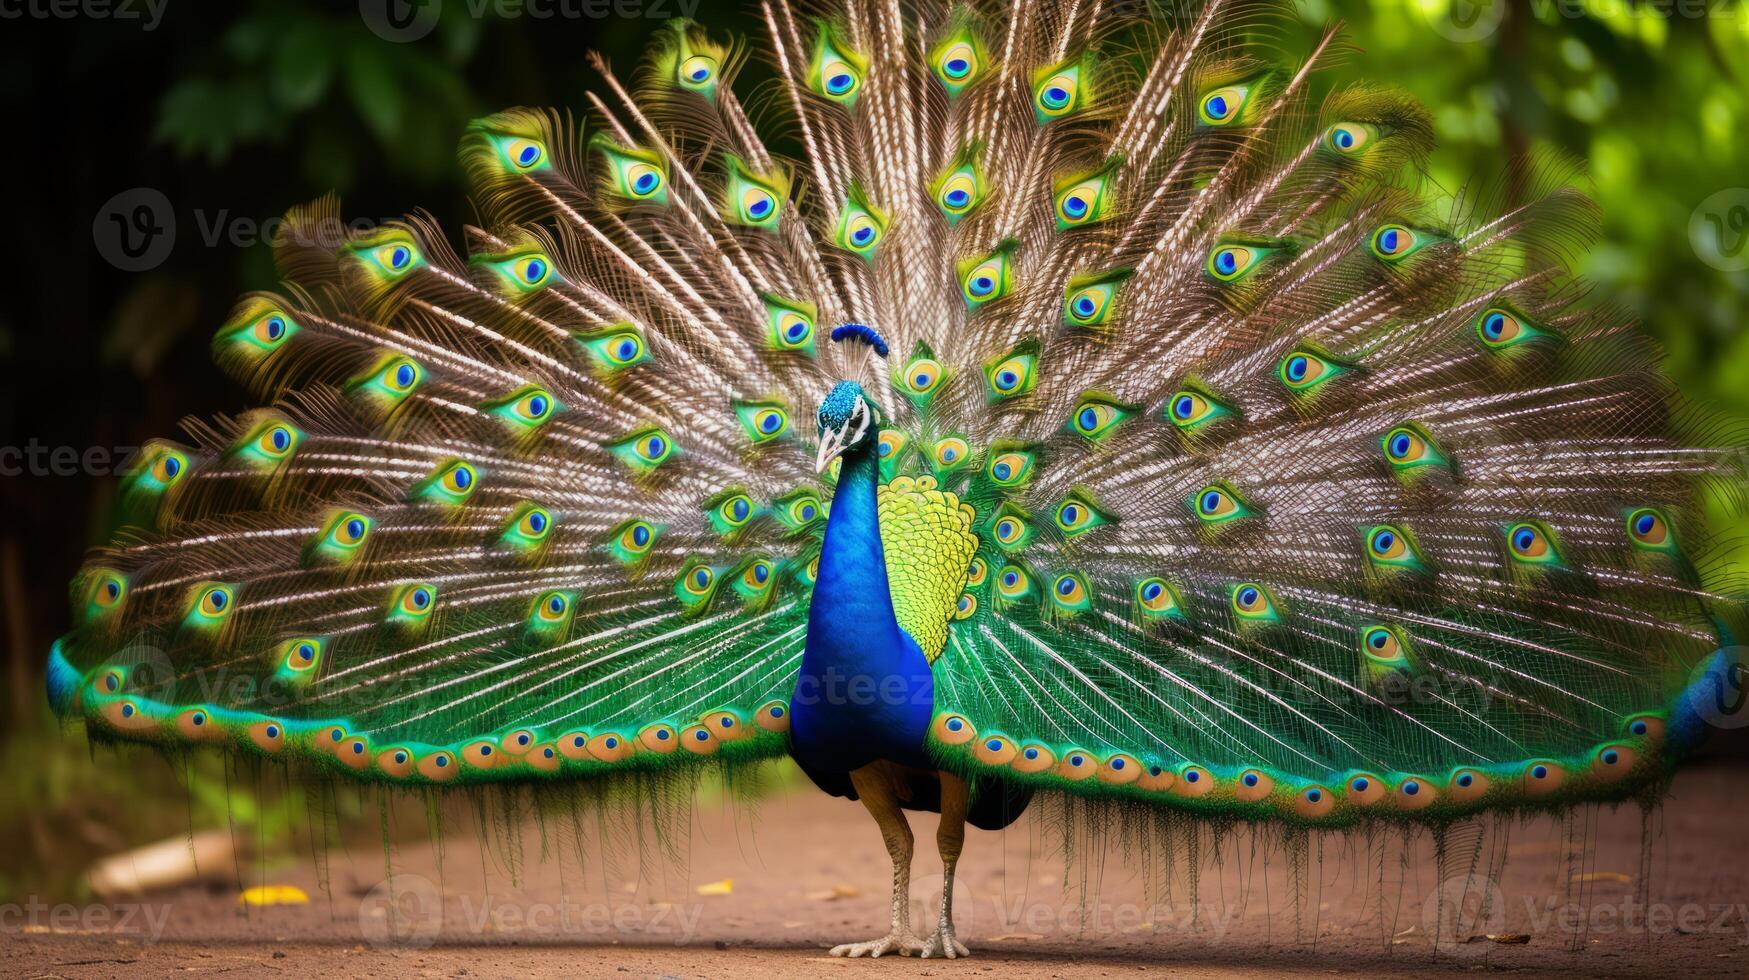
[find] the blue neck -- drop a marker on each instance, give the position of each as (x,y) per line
(851,623)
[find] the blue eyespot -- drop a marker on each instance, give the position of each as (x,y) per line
(662,735)
(1088,419)
(760,207)
(462,478)
(1211,501)
(1011,579)
(522,739)
(1152,591)
(400,758)
(761,572)
(1192,776)
(577,742)
(537,521)
(655,446)
(948,455)
(796,331)
(1638,728)
(646,182)
(399,256)
(727,723)
(1344,140)
(1609,757)
(957,67)
(1411,788)
(1070,515)
(1031,753)
(954,724)
(1216,106)
(957,198)
(1466,779)
(808,512)
(1184,406)
(272,731)
(1360,785)
(1248,595)
(1002,471)
(537,406)
(530,153)
(1494,327)
(1400,445)
(840,83)
(1075,206)
(1539,772)
(982,285)
(1085,307)
(1076,760)
(740,508)
(1313,796)
(200,719)
(1065,586)
(1227,262)
(421,598)
(358,748)
(172,466)
(1055,97)
(281,438)
(1297,366)
(275,327)
(1388,241)
(862,235)
(1006,380)
(777,711)
(1523,539)
(443,762)
(355,528)
(557,605)
(1251,779)
(1645,523)
(611,742)
(535,271)
(1117,765)
(701,578)
(702,735)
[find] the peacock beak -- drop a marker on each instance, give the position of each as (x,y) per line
(832,444)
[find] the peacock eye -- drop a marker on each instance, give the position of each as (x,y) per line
(1090,301)
(1056,92)
(643,179)
(400,376)
(1069,593)
(1382,644)
(799,509)
(526,408)
(1218,504)
(976,572)
(957,62)
(1501,329)
(1082,201)
(1156,597)
(1013,582)
(1011,376)
(624,348)
(959,192)
(271,330)
(757,204)
(1531,544)
(698,579)
(735,511)
(986,280)
(697,71)
(1229,262)
(168,466)
(1252,602)
(528,527)
(757,577)
(1190,410)
(789,324)
(951,452)
(839,79)
(1304,370)
(1649,528)
(966,607)
(533,270)
(396,257)
(922,376)
(552,607)
(645,450)
(1011,528)
(1223,106)
(274,442)
(106,590)
(1408,447)
(1095,418)
(633,539)
(215,601)
(762,421)
(524,153)
(454,483)
(1010,468)
(1390,545)
(344,534)
(416,601)
(1077,514)
(633,174)
(301,655)
(1393,242)
(1348,138)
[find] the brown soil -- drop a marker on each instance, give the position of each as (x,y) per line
(808,871)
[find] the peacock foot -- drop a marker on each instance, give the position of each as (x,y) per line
(902,942)
(945,945)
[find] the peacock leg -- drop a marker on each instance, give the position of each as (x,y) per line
(874,784)
(949,838)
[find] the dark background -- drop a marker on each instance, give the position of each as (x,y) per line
(216,117)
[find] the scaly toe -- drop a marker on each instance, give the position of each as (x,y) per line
(945,946)
(902,943)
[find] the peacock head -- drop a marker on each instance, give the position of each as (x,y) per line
(847,422)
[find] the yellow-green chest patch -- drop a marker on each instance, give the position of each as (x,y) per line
(927,536)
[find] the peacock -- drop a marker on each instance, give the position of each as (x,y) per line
(1054,396)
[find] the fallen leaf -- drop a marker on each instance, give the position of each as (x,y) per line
(834,893)
(274,895)
(1015,935)
(724,887)
(1509,938)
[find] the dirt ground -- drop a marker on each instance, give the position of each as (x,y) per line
(765,895)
